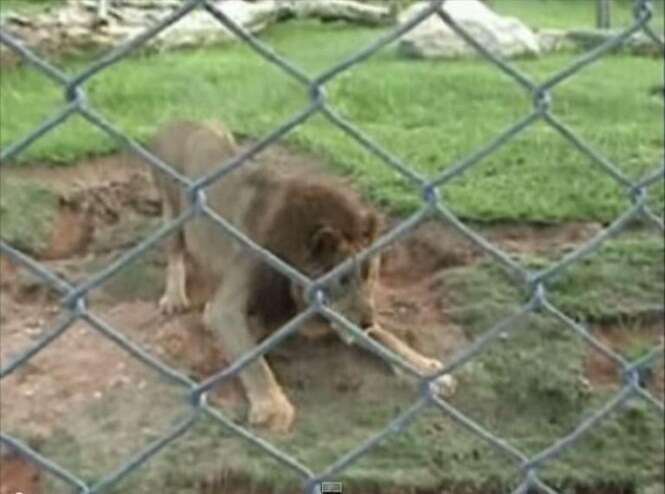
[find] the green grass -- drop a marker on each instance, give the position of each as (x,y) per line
(572,14)
(430,114)
(621,285)
(28,6)
(27,214)
(623,281)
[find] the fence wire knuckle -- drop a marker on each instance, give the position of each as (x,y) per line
(433,207)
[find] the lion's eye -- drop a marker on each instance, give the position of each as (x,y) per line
(346,279)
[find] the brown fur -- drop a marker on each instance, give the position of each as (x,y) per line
(312,222)
(312,205)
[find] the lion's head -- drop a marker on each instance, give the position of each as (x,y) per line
(317,226)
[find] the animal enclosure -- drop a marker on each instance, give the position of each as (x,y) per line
(533,290)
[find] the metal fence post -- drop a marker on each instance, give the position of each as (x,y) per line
(603,14)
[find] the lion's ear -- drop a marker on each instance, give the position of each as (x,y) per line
(324,243)
(372,225)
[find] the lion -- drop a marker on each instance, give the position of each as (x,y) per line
(311,222)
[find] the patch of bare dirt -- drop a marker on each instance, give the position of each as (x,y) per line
(71,233)
(86,174)
(632,343)
(92,195)
(17,476)
(540,239)
(83,365)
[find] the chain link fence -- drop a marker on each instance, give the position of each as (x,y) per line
(74,306)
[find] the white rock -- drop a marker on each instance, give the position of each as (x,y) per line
(76,25)
(200,28)
(432,38)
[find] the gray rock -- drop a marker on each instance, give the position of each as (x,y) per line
(432,38)
(554,40)
(637,44)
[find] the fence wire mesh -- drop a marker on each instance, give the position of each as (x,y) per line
(74,306)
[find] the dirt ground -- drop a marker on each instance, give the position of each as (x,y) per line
(106,205)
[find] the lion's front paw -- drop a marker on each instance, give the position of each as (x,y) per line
(170,304)
(274,413)
(444,385)
(429,365)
